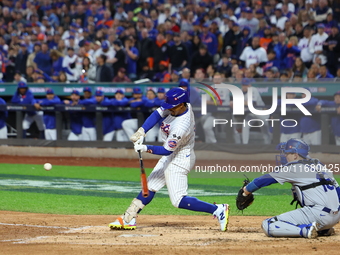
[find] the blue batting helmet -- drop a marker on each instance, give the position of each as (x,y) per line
(175,97)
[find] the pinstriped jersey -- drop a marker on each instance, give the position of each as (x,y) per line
(178,132)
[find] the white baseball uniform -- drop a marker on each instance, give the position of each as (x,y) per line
(305,54)
(315,44)
(251,56)
(178,136)
(257,100)
(319,204)
(130,126)
(88,134)
(38,118)
(3,132)
(51,134)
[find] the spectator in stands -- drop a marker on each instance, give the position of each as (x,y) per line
(18,77)
(145,49)
(201,59)
(278,19)
(3,117)
(21,59)
(321,11)
(232,37)
(69,65)
(162,75)
(29,73)
(120,59)
(103,72)
(174,76)
(254,54)
(332,49)
(106,50)
(335,121)
(49,116)
(209,39)
(178,54)
(249,21)
(24,96)
(160,52)
(324,74)
(199,75)
(316,42)
(57,60)
(121,76)
(132,57)
(303,45)
(186,73)
(88,71)
(43,60)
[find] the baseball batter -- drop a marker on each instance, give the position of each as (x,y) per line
(313,187)
(178,157)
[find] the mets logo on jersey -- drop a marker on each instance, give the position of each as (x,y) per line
(165,128)
(172,143)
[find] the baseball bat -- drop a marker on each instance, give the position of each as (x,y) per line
(143,179)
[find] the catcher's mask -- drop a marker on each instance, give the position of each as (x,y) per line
(291,146)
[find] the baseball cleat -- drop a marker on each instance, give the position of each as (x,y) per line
(327,232)
(222,214)
(119,223)
(313,231)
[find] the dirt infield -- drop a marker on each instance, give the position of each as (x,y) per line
(29,233)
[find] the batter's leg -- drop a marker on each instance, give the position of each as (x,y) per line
(156,181)
(177,184)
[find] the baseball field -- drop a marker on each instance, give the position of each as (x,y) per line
(67,210)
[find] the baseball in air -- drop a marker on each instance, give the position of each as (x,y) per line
(48,166)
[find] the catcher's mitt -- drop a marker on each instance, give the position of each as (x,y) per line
(242,202)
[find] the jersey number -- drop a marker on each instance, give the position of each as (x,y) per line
(325,187)
(165,128)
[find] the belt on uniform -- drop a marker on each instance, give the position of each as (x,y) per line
(328,210)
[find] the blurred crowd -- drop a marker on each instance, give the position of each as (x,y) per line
(88,41)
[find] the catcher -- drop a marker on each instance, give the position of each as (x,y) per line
(313,187)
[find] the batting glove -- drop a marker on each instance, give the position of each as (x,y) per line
(140,147)
(138,137)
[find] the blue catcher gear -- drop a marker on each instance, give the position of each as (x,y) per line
(175,97)
(291,146)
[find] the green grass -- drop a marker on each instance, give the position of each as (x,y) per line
(89,190)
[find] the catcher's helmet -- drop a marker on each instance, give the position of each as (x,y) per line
(292,146)
(175,97)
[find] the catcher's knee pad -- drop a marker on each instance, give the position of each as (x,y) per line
(267,224)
